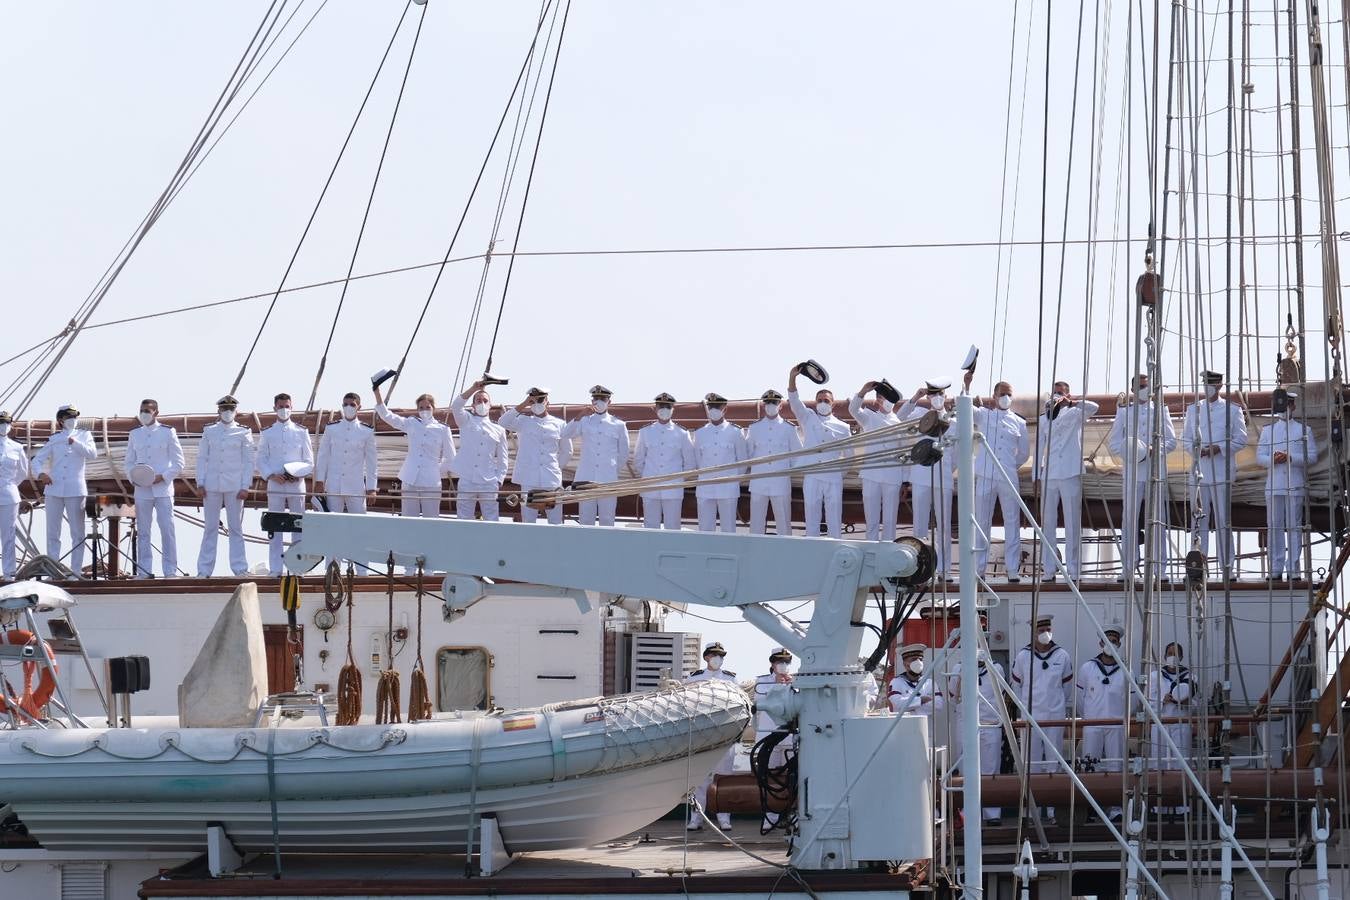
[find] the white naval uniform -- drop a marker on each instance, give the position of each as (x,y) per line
(481,464)
(225,466)
(155,445)
(347,465)
(13,472)
(662,449)
(906,697)
(605,450)
(1170,693)
(1136,418)
(1041,678)
(991,727)
(764,723)
(431,455)
(727,764)
(281,443)
(880,484)
(1005,436)
(770,437)
(1286,490)
(63,458)
(822,492)
(716,444)
(1102,690)
(1061,469)
(924,480)
(541,448)
(1219,422)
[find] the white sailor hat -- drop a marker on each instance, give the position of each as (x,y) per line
(771,396)
(937,385)
(1045,619)
(67,410)
(1290,392)
(600,390)
(715,648)
(911,649)
(780,654)
(1114,628)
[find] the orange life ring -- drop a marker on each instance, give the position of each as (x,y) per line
(33,702)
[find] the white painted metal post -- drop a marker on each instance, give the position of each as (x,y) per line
(970,644)
(1321,830)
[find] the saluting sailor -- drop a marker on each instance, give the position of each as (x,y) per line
(605,448)
(13,472)
(484,457)
(346,469)
(1213,432)
(1132,442)
(1286,448)
(822,492)
(771,436)
(541,448)
(880,483)
(59,467)
(1060,466)
(1101,695)
(909,693)
(1042,674)
(155,446)
(925,480)
(225,466)
(715,444)
(431,455)
(991,725)
(663,448)
(1005,440)
(713,656)
(285,458)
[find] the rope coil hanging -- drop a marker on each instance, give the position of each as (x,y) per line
(387,691)
(349,679)
(419,697)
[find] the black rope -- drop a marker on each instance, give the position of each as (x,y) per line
(776,783)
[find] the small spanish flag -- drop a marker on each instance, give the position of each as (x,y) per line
(518,723)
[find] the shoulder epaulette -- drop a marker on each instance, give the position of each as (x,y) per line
(729,673)
(696,672)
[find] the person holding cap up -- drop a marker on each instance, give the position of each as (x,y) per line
(225,465)
(59,467)
(930,482)
(1059,435)
(1213,431)
(156,447)
(605,449)
(285,458)
(771,436)
(1102,690)
(1286,448)
(713,656)
(1005,440)
(541,448)
(13,472)
(431,455)
(822,492)
(718,443)
(483,458)
(880,483)
(663,448)
(1042,674)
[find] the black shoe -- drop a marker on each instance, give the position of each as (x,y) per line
(994,823)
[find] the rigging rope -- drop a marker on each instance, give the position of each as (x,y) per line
(349,679)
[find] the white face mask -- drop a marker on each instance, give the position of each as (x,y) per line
(600,406)
(1142,393)
(1004,401)
(1172,661)
(348,412)
(1046,637)
(885,406)
(146,418)
(4,429)
(937,401)
(823,408)
(771,410)
(715,414)
(425,414)
(780,668)
(714,663)
(539,408)
(664,414)
(70,424)
(227,416)
(916,667)
(480,409)
(1211,391)
(1110,649)
(283,413)
(1056,396)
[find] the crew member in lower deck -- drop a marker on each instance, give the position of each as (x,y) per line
(13,472)
(718,443)
(59,466)
(991,723)
(282,448)
(1042,674)
(910,693)
(1170,690)
(713,656)
(780,660)
(1102,690)
(663,448)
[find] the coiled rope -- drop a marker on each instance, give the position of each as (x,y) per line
(419,697)
(387,691)
(349,679)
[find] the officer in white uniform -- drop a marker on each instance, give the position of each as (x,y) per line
(59,467)
(1213,432)
(346,469)
(780,660)
(991,727)
(483,459)
(771,436)
(662,449)
(822,492)
(1286,448)
(541,448)
(605,449)
(225,465)
(909,693)
(13,472)
(281,443)
(1042,674)
(925,479)
(1131,442)
(880,483)
(1170,689)
(713,656)
(431,456)
(155,445)
(1005,434)
(1059,437)
(1102,690)
(715,444)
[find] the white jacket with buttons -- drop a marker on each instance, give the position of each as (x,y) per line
(717,444)
(225,458)
(605,446)
(13,471)
(281,443)
(63,458)
(540,449)
(346,464)
(431,450)
(483,458)
(155,445)
(662,449)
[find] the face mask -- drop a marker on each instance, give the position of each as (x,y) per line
(539,408)
(937,401)
(885,406)
(715,414)
(823,408)
(4,429)
(664,414)
(600,406)
(349,412)
(1004,401)
(771,410)
(1173,661)
(283,413)
(1111,649)
(1045,637)
(916,667)
(146,418)
(1057,396)
(425,414)
(1211,392)
(780,668)
(1142,393)
(480,409)
(69,424)
(715,663)
(227,416)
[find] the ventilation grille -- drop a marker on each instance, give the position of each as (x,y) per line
(84,881)
(662,652)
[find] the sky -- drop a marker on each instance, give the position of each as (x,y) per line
(697,125)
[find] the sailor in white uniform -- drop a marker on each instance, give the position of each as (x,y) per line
(1102,691)
(822,492)
(155,445)
(431,456)
(780,660)
(1132,442)
(715,444)
(13,472)
(771,436)
(483,458)
(924,480)
(1060,467)
(541,448)
(282,443)
(1170,689)
(1042,674)
(991,727)
(1286,448)
(713,656)
(59,467)
(1213,431)
(1005,439)
(605,450)
(346,469)
(909,693)
(663,448)
(880,483)
(225,466)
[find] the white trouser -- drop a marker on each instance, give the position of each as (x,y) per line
(881,508)
(923,510)
(759,513)
(72,510)
(1042,760)
(1066,492)
(1106,744)
(485,502)
(722,508)
(592,512)
(1285,517)
(234,521)
(1163,757)
(656,512)
(1132,516)
(824,494)
(148,509)
(276,502)
(725,766)
(1214,499)
(352,503)
(9,522)
(988,490)
(421,502)
(991,753)
(554,514)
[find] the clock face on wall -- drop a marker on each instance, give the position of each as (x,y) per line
(324,619)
